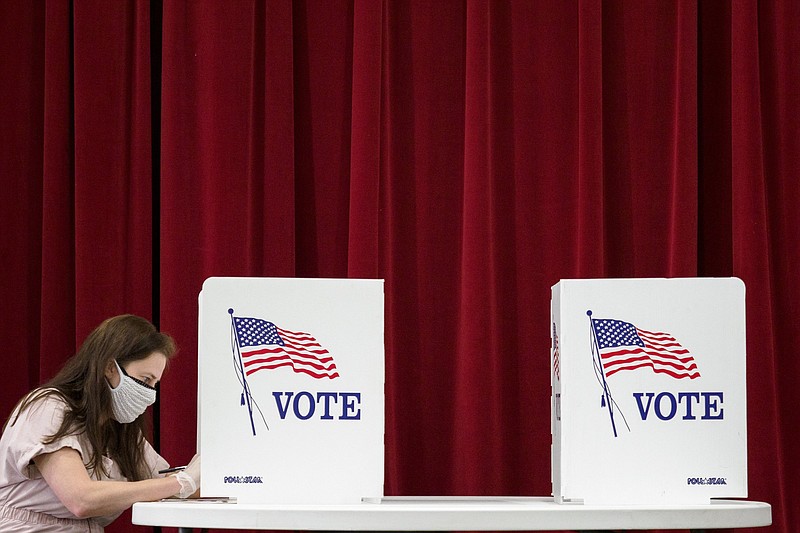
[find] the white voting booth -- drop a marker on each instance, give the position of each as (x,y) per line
(290,389)
(648,390)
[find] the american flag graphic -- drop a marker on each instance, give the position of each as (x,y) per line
(556,361)
(265,346)
(623,346)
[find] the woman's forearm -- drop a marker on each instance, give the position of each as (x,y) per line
(86,497)
(100,498)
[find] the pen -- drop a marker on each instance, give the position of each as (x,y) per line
(173,469)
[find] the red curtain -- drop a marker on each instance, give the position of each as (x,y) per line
(470,153)
(76,204)
(765,125)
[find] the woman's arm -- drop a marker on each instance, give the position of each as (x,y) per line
(85,497)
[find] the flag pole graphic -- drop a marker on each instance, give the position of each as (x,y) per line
(599,362)
(245,386)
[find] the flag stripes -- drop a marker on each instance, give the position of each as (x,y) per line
(556,361)
(623,346)
(264,346)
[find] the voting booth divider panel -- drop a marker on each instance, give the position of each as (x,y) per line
(291,389)
(649,402)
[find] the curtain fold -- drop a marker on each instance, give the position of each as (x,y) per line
(77,181)
(765,48)
(112,194)
(715,190)
(22,56)
(589,257)
(649,138)
(58,271)
(365,138)
(484,378)
(79,172)
(421,158)
(470,153)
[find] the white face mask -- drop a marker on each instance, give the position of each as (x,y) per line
(130,398)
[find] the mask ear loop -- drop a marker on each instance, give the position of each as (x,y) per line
(138,381)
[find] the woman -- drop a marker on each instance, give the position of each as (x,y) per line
(73,454)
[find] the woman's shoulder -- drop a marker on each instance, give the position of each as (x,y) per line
(42,415)
(39,401)
(48,397)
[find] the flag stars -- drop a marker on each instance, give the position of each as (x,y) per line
(612,333)
(255,331)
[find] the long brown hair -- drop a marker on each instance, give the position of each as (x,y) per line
(82,384)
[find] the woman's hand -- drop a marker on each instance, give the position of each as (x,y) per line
(189,478)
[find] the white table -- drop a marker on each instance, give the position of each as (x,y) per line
(451,514)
